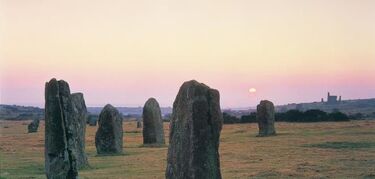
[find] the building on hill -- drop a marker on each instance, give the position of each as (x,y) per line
(333,99)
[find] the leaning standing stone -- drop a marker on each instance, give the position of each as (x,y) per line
(80,117)
(60,160)
(194,133)
(266,118)
(108,139)
(153,132)
(33,126)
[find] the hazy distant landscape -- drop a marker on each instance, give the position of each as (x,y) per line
(129,111)
(365,107)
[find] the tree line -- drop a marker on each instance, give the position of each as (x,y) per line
(313,115)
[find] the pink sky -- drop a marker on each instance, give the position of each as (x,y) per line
(123,52)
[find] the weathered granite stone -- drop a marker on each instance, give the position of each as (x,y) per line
(79,123)
(194,133)
(108,139)
(33,126)
(60,160)
(153,131)
(266,118)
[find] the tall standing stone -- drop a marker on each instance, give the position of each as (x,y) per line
(266,118)
(60,160)
(80,115)
(108,139)
(153,131)
(194,133)
(33,126)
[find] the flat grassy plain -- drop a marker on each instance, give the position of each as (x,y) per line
(300,150)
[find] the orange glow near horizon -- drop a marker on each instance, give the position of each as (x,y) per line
(123,52)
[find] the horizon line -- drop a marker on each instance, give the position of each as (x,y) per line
(140,106)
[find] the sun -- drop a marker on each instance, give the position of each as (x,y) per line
(252,90)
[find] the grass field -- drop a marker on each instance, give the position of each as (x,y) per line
(300,150)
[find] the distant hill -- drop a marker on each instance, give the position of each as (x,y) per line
(14,112)
(363,106)
(350,107)
(132,111)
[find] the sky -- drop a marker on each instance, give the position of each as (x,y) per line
(123,52)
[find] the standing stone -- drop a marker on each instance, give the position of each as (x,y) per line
(92,120)
(266,118)
(194,133)
(153,131)
(60,160)
(33,126)
(139,124)
(108,139)
(79,116)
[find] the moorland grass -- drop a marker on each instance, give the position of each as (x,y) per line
(300,150)
(343,145)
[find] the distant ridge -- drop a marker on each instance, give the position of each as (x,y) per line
(17,112)
(134,111)
(353,106)
(363,106)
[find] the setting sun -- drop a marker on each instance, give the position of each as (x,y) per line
(252,90)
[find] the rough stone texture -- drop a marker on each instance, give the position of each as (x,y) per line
(60,161)
(153,132)
(33,126)
(266,118)
(194,133)
(108,139)
(79,116)
(139,124)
